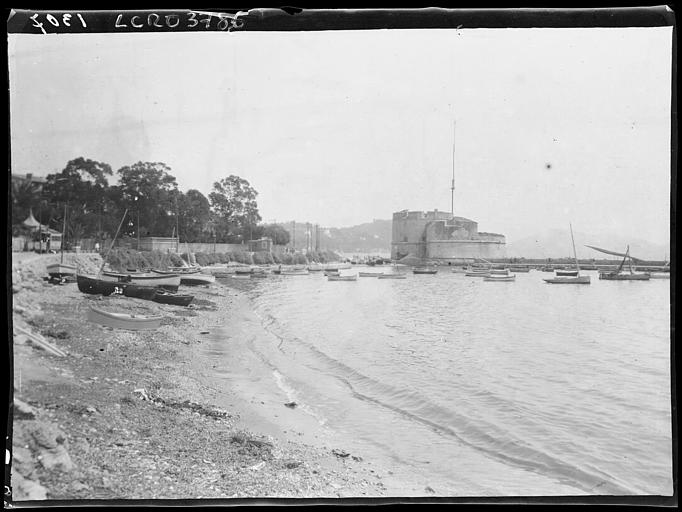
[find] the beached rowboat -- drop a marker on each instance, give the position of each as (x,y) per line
(370,274)
(139,291)
(60,270)
(168,281)
(176,299)
(94,286)
(424,270)
(123,320)
(392,276)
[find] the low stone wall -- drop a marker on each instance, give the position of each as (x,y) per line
(457,250)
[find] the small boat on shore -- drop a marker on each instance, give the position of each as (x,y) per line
(59,270)
(516,269)
(168,281)
(396,275)
(331,273)
(315,268)
(139,291)
(123,320)
(165,297)
(354,277)
(94,286)
(370,274)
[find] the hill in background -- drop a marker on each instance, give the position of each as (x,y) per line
(375,238)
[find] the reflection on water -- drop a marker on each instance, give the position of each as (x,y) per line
(504,387)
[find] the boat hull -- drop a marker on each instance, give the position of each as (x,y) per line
(165,297)
(170,282)
(61,270)
(122,320)
(625,277)
(196,279)
(568,280)
(499,278)
(93,286)
(392,276)
(139,292)
(342,278)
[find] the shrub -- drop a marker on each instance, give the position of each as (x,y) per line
(263,258)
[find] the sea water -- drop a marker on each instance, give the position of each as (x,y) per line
(490,388)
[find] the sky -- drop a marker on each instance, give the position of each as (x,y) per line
(338,128)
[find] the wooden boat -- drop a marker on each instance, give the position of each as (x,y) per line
(425,270)
(123,320)
(331,273)
(94,286)
(61,269)
(354,277)
(396,275)
(139,291)
(619,274)
(499,277)
(168,281)
(179,270)
(303,272)
(519,269)
(659,275)
(370,274)
(315,268)
(546,269)
(569,276)
(176,299)
(243,271)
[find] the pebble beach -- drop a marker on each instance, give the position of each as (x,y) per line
(112,415)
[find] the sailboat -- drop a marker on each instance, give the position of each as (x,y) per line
(569,276)
(620,274)
(59,271)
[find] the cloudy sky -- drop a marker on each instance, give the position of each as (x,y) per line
(341,127)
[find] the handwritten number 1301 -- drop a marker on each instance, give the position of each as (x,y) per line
(66,21)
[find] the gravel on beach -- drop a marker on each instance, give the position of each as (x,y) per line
(123,416)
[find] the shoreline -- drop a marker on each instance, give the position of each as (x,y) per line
(132,415)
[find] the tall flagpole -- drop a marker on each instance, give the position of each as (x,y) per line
(452,187)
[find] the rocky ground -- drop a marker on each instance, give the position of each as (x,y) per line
(121,414)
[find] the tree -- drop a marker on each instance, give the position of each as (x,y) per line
(83,187)
(233,201)
(194,213)
(149,191)
(276,232)
(25,195)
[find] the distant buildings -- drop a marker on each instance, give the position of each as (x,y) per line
(442,237)
(18,179)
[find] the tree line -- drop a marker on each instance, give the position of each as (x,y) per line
(156,207)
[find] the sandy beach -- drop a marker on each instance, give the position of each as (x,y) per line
(135,414)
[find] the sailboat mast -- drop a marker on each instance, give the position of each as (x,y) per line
(575,255)
(452,186)
(61,248)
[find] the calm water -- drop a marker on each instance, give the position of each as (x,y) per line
(493,388)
